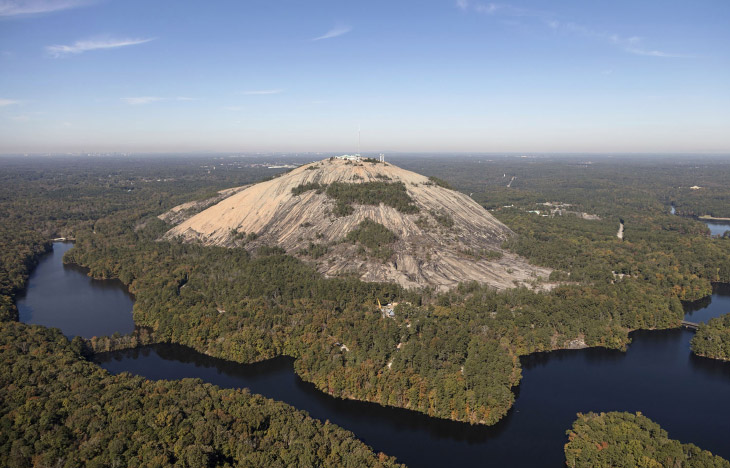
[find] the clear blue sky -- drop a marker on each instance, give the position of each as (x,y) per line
(271,75)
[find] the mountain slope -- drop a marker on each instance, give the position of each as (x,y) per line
(442,237)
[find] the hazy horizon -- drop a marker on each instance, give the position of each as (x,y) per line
(452,76)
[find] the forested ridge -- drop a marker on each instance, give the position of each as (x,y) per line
(613,440)
(452,355)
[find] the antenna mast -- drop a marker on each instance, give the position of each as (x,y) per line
(358,139)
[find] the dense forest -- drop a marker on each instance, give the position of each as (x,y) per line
(712,339)
(57,409)
(453,355)
(275,304)
(616,440)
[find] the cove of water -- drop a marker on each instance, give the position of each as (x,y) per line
(717,228)
(63,296)
(686,395)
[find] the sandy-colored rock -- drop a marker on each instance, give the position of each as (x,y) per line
(426,253)
(182,212)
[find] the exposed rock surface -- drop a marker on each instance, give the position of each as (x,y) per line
(182,212)
(427,253)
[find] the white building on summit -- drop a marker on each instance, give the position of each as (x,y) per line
(350,157)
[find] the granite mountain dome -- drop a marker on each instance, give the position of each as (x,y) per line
(373,219)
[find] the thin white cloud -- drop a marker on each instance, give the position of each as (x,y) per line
(500,8)
(20,118)
(8,102)
(488,9)
(261,92)
(233,108)
(141,100)
(632,45)
(334,32)
(34,7)
(79,47)
(654,53)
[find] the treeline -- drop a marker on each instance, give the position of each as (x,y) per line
(712,339)
(370,193)
(19,252)
(60,410)
(366,193)
(610,440)
(608,187)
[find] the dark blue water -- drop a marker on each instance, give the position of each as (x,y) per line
(687,395)
(63,296)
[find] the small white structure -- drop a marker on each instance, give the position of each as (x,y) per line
(350,157)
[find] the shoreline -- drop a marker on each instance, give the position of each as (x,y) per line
(711,218)
(136,340)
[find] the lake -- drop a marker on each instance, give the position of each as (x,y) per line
(658,376)
(63,296)
(717,228)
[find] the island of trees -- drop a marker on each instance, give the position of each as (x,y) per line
(712,339)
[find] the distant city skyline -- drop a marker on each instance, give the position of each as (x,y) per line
(435,76)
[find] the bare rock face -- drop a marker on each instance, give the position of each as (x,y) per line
(429,251)
(182,212)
